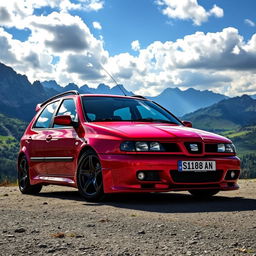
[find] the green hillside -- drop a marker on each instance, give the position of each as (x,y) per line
(245,140)
(11,131)
(226,115)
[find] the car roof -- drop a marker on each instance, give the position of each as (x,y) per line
(75,93)
(114,95)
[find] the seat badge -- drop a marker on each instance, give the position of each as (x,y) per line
(193,147)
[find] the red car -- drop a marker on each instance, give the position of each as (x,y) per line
(104,144)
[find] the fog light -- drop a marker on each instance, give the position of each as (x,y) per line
(141,175)
(232,174)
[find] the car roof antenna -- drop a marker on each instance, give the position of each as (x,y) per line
(119,86)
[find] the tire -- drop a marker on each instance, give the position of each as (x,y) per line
(203,193)
(23,179)
(89,177)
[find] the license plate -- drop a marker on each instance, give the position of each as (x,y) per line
(196,166)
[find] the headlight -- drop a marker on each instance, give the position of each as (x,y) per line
(141,146)
(155,146)
(127,146)
(226,148)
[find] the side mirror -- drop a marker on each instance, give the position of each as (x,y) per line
(64,120)
(187,123)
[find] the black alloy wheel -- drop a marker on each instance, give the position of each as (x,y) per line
(89,177)
(23,178)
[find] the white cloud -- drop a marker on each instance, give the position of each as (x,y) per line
(58,35)
(216,11)
(188,10)
(135,45)
(15,13)
(60,32)
(250,23)
(204,61)
(97,25)
(93,5)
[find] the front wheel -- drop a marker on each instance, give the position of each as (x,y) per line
(23,179)
(89,177)
(203,193)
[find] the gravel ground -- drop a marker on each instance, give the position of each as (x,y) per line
(59,222)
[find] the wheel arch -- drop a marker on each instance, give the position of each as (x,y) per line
(20,155)
(83,150)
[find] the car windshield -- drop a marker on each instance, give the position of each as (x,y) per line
(109,109)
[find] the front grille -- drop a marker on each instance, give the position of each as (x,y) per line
(196,177)
(211,148)
(199,147)
(171,147)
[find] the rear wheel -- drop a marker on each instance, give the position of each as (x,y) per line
(203,193)
(89,177)
(23,178)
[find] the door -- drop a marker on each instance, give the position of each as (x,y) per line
(37,144)
(62,143)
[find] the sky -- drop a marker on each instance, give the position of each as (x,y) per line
(146,45)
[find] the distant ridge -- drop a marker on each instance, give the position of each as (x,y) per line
(182,102)
(225,115)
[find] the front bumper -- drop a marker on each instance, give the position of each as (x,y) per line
(120,173)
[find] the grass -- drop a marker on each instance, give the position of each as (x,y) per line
(8,183)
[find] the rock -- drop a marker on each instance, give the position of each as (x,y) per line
(192,242)
(42,246)
(6,195)
(35,231)
(235,244)
(90,225)
(44,203)
(52,250)
(20,230)
(141,232)
(10,236)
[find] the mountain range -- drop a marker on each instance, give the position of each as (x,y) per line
(182,102)
(18,97)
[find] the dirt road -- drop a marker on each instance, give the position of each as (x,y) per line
(59,222)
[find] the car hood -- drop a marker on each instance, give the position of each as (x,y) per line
(156,131)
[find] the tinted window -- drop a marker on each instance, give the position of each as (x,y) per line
(123,113)
(124,109)
(67,107)
(44,120)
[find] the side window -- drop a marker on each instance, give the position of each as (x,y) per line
(44,119)
(67,107)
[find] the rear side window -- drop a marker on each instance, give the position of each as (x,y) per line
(67,107)
(44,119)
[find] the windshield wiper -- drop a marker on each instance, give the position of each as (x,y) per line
(103,120)
(154,120)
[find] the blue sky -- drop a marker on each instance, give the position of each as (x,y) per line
(146,45)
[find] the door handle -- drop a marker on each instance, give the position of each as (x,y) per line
(48,138)
(29,139)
